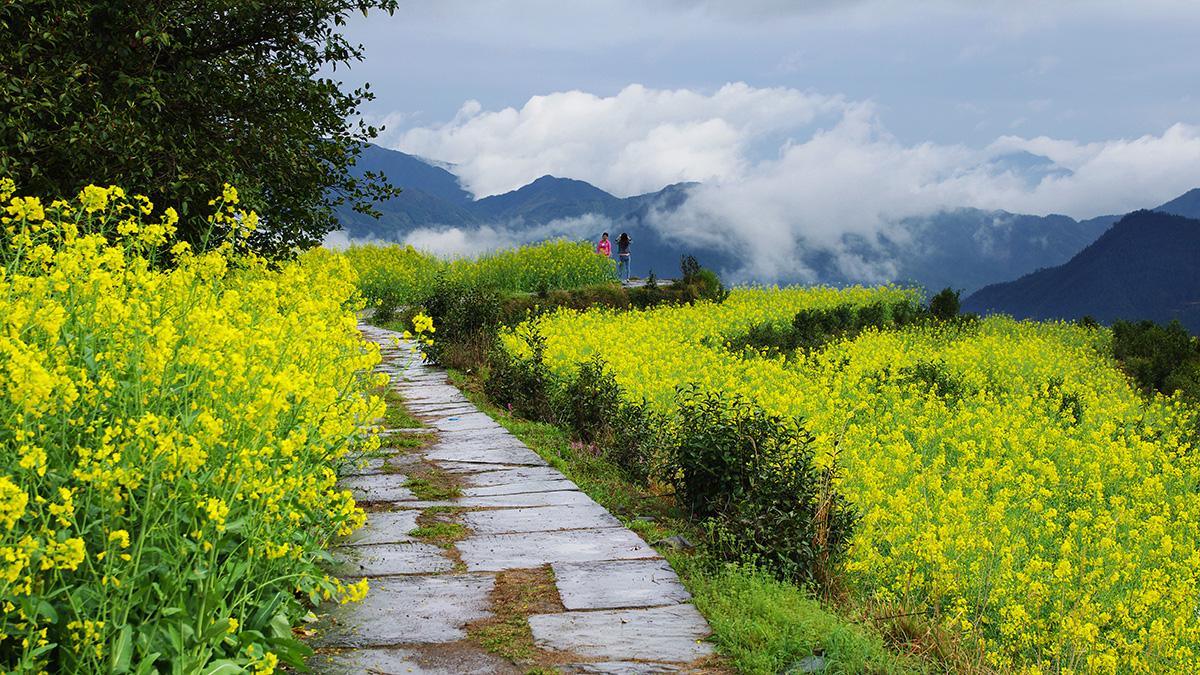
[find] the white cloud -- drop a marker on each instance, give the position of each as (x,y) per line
(457,242)
(832,169)
(636,141)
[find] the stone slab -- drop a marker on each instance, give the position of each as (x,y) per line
(385,527)
(440,408)
(465,422)
(558,498)
(618,584)
(543,519)
(410,610)
(619,668)
(671,634)
(373,560)
(499,476)
(454,659)
(382,487)
(521,488)
(401,462)
(483,453)
(418,391)
(497,552)
(471,468)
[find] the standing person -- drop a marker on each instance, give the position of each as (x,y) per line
(623,256)
(604,248)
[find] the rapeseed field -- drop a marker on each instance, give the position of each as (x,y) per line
(1009,478)
(171,423)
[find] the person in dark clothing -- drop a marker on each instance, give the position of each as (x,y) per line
(623,256)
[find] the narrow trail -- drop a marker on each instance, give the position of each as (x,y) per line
(531,556)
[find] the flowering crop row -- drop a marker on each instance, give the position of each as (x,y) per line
(170,435)
(1008,476)
(402,275)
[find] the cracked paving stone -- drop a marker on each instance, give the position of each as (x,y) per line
(483,452)
(541,519)
(372,560)
(385,527)
(618,584)
(445,660)
(557,498)
(498,552)
(475,421)
(382,487)
(409,610)
(619,668)
(673,634)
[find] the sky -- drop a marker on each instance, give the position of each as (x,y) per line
(808,115)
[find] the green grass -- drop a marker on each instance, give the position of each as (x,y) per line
(397,416)
(440,533)
(433,486)
(760,624)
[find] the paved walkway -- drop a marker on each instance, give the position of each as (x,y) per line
(619,606)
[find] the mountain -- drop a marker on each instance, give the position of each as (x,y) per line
(432,198)
(1146,266)
(1186,205)
(964,248)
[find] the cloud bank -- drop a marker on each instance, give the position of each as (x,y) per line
(784,170)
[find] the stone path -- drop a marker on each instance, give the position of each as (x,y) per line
(619,606)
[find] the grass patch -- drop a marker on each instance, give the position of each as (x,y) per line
(433,486)
(760,624)
(398,416)
(767,626)
(410,441)
(516,595)
(443,533)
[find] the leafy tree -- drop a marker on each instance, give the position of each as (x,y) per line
(172,98)
(945,305)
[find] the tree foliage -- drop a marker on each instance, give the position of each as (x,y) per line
(172,98)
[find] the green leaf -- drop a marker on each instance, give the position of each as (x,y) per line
(223,667)
(122,650)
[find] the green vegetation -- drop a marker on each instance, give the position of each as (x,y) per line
(173,99)
(761,624)
(1162,359)
(440,533)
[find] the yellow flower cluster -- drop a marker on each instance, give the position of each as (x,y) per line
(171,423)
(1008,475)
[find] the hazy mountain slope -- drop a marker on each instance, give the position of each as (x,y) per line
(1147,266)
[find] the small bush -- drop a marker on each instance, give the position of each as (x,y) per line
(945,305)
(591,405)
(937,376)
(521,385)
(752,475)
(1159,358)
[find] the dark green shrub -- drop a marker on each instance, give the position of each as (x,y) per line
(1159,358)
(937,376)
(588,402)
(945,305)
(591,407)
(466,318)
(521,385)
(752,475)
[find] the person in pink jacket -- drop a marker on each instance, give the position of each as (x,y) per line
(604,248)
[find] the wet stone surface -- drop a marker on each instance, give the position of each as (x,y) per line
(451,659)
(671,634)
(385,527)
(411,610)
(619,668)
(541,519)
(381,487)
(618,584)
(556,498)
(494,553)
(372,560)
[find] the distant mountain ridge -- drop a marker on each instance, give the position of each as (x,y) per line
(1147,266)
(962,248)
